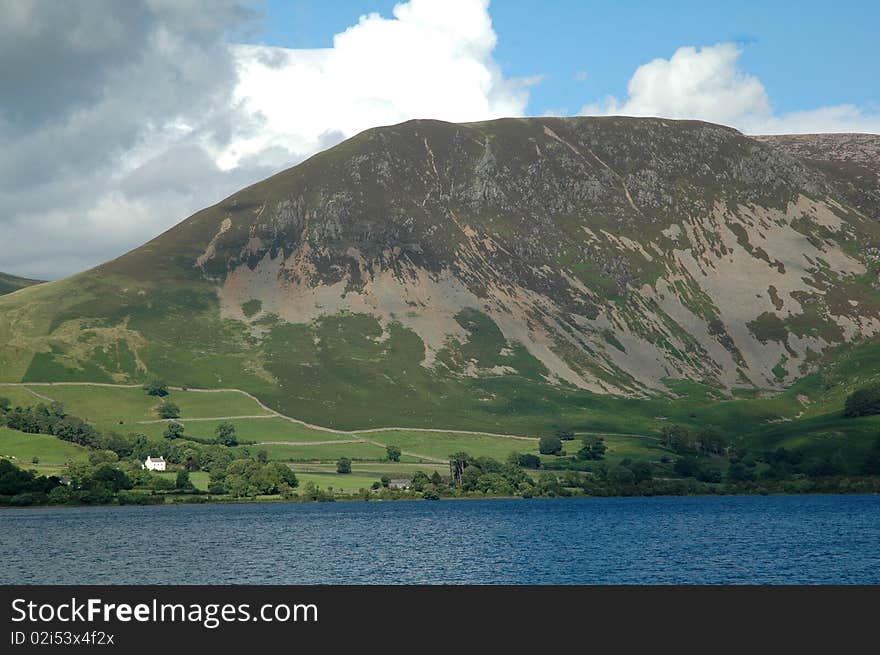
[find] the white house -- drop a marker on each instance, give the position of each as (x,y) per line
(154,464)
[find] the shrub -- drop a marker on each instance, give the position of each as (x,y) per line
(526,460)
(156,388)
(169,410)
(225,433)
(863,402)
(550,445)
(343,465)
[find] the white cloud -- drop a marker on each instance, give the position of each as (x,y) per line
(707,84)
(431,60)
(120,119)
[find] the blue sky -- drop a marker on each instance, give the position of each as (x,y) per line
(808,54)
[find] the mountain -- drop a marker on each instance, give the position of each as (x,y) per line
(514,273)
(10,283)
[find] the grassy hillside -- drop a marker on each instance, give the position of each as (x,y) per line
(10,283)
(52,454)
(310,452)
(607,275)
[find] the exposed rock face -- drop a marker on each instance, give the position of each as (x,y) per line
(853,159)
(860,153)
(605,253)
(619,252)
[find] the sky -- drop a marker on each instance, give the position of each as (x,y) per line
(118,120)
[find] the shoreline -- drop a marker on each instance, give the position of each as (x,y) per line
(352,499)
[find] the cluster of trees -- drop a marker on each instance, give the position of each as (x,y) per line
(156,388)
(707,440)
(100,481)
(20,487)
(249,477)
(593,448)
(491,477)
(49,419)
(550,444)
(863,402)
(168,409)
(224,434)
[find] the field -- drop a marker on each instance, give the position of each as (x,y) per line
(53,453)
(200,479)
(311,453)
(806,417)
(256,430)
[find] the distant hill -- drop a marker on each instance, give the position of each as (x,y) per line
(517,274)
(10,283)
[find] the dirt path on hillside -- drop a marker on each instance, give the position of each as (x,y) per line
(40,396)
(208,418)
(271,413)
(308,443)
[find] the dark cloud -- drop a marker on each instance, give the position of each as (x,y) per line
(108,113)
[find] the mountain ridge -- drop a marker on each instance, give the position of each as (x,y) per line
(611,256)
(10,283)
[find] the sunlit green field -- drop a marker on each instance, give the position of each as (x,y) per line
(256,430)
(343,482)
(200,479)
(53,453)
(322,452)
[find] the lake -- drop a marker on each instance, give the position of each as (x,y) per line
(690,540)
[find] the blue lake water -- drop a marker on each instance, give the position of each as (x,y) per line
(692,540)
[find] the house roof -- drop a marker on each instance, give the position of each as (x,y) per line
(155,459)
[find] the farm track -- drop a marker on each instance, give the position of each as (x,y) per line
(271,413)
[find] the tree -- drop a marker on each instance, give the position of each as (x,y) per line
(263,456)
(420,480)
(594,449)
(169,410)
(550,445)
(863,402)
(827,466)
(343,465)
(458,462)
(739,472)
(174,430)
(710,439)
(621,476)
(183,482)
(393,453)
(98,457)
(871,465)
(641,470)
(225,434)
(156,388)
(565,434)
(686,467)
(526,460)
(678,438)
(5,404)
(191,461)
